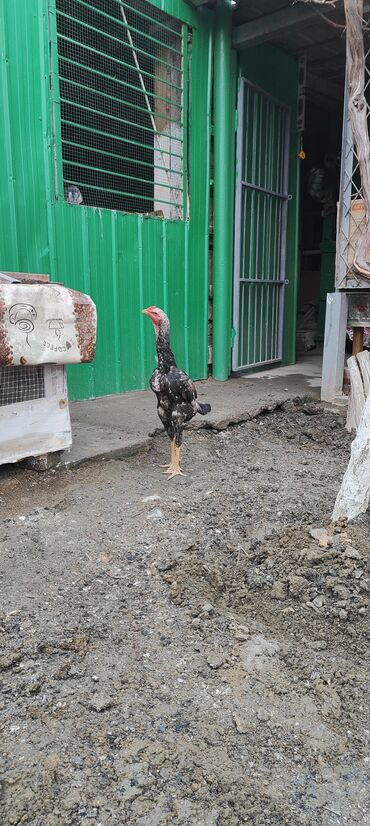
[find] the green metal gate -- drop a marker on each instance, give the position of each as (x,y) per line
(260,227)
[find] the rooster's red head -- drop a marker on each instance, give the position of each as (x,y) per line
(157,316)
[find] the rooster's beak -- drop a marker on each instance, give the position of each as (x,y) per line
(146,312)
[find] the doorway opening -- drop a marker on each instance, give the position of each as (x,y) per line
(319,189)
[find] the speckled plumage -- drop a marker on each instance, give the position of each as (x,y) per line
(176,394)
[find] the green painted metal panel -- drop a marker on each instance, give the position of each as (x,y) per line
(24,241)
(124,261)
(277,73)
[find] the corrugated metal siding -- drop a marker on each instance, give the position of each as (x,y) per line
(125,262)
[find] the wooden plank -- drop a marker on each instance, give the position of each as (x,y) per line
(28,277)
(269,25)
(364,362)
(358,340)
(357,394)
(334,346)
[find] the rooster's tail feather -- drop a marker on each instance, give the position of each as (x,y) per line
(203,409)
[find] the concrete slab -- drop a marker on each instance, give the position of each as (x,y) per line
(119,426)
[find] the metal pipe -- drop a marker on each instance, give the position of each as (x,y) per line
(222,192)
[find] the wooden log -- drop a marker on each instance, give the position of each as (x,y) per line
(354,494)
(363,360)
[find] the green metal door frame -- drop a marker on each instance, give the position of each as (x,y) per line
(223,206)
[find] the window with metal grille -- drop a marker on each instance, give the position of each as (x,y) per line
(123,89)
(21,384)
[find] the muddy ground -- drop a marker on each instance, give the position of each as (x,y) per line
(186,652)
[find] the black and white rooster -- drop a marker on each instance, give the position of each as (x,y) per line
(176,393)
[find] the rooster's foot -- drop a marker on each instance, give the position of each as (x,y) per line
(174,470)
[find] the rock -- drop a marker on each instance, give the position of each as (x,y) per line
(311,410)
(341,592)
(339,538)
(157,513)
(357,573)
(63,672)
(154,498)
(174,590)
(88,813)
(165,564)
(351,553)
(319,601)
(35,686)
(242,633)
(319,645)
(313,555)
(100,702)
(278,590)
(241,724)
(324,539)
(343,614)
(72,799)
(7,660)
(78,643)
(296,584)
(207,608)
(215,660)
(331,703)
(325,542)
(52,762)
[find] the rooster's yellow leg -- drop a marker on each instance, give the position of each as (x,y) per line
(172,456)
(174,468)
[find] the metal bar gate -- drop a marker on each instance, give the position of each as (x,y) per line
(260,227)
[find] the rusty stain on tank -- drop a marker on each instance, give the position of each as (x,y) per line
(85,324)
(6,352)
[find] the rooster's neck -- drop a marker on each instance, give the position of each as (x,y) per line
(166,358)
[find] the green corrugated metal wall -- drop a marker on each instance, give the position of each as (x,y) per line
(125,262)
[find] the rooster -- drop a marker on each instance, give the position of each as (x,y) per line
(176,394)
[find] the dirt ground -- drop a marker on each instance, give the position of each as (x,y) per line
(186,652)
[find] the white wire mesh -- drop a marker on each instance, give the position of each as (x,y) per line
(122,87)
(21,384)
